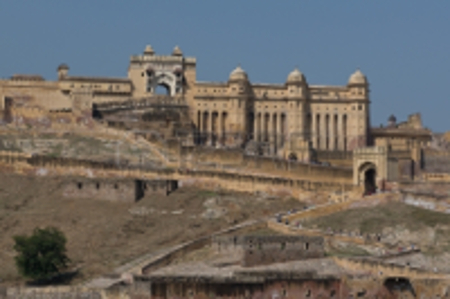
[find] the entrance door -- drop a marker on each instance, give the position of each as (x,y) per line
(369,181)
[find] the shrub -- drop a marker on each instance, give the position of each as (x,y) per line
(41,255)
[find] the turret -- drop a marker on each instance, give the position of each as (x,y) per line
(296,83)
(63,70)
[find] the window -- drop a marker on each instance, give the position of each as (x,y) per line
(306,246)
(97,186)
(116,186)
(80,185)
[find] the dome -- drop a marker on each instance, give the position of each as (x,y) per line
(357,78)
(177,51)
(295,77)
(149,50)
(63,66)
(238,74)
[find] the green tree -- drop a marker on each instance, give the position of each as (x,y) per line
(41,255)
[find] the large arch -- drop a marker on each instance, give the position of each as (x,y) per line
(164,79)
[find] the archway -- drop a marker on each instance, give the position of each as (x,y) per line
(292,157)
(370,186)
(367,177)
(95,113)
(162,89)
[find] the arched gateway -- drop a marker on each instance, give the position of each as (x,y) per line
(371,168)
(368,177)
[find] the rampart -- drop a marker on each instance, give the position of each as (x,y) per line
(264,250)
(226,159)
(205,178)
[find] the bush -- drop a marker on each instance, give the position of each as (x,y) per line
(42,255)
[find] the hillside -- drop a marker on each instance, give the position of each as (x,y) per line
(398,223)
(103,235)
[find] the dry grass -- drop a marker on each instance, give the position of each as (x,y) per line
(103,235)
(375,219)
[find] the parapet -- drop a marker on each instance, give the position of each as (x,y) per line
(263,250)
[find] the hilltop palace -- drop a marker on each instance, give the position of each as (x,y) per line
(293,121)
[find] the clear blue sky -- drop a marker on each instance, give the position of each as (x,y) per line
(402,46)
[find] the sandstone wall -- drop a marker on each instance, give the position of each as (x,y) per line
(263,250)
(44,94)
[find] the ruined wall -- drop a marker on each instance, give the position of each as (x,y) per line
(121,190)
(437,161)
(277,288)
(51,293)
(263,250)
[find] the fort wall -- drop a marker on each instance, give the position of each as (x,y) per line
(120,190)
(208,179)
(235,160)
(263,250)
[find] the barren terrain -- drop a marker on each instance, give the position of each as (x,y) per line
(398,223)
(103,235)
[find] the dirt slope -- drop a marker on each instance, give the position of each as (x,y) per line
(103,235)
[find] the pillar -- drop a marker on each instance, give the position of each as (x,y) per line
(331,134)
(280,130)
(199,126)
(313,128)
(255,127)
(205,127)
(210,128)
(323,132)
(340,133)
(266,121)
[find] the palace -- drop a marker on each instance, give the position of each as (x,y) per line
(295,120)
(275,117)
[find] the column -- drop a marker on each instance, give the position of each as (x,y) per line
(224,127)
(270,132)
(331,132)
(199,126)
(205,127)
(266,122)
(313,137)
(260,126)
(322,132)
(210,128)
(255,127)
(340,133)
(280,130)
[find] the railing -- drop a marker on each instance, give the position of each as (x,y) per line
(141,103)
